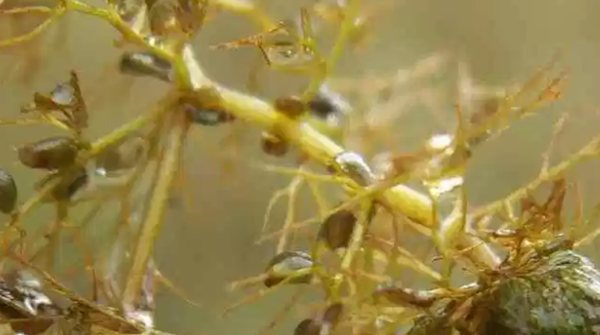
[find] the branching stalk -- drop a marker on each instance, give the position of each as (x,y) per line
(188,78)
(156,210)
(590,150)
(310,141)
(322,149)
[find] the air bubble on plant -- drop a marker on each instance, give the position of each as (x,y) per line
(205,116)
(145,64)
(63,106)
(63,94)
(293,266)
(354,165)
(400,296)
(204,107)
(329,106)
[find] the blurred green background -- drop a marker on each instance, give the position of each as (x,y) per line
(211,243)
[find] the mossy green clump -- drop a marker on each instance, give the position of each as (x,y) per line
(560,295)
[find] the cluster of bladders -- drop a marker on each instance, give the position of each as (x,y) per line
(59,154)
(32,312)
(55,154)
(296,267)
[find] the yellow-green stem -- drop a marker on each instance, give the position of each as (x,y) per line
(346,29)
(154,217)
(590,150)
(313,143)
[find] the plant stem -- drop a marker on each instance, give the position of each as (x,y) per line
(588,151)
(314,144)
(322,149)
(96,147)
(115,20)
(153,221)
(347,28)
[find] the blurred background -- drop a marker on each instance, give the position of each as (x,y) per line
(210,240)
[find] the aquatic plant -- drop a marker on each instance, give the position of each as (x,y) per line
(528,278)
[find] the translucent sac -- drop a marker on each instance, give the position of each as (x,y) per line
(354,166)
(287,264)
(63,94)
(329,106)
(337,229)
(8,192)
(145,64)
(282,48)
(51,153)
(119,160)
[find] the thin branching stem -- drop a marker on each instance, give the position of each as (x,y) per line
(323,150)
(310,141)
(96,148)
(58,12)
(590,150)
(126,31)
(251,9)
(347,28)
(26,10)
(154,218)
